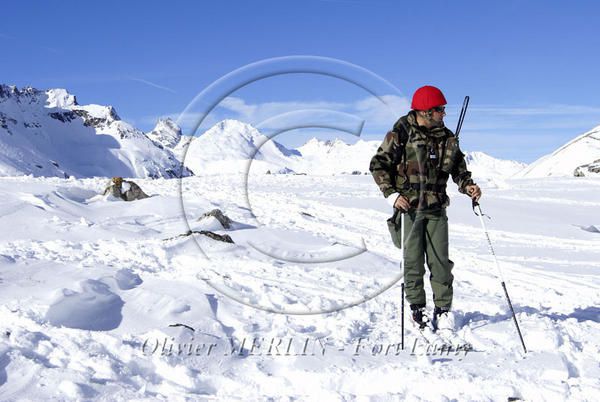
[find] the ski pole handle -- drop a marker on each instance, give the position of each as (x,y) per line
(461,116)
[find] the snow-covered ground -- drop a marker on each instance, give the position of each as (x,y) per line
(89,288)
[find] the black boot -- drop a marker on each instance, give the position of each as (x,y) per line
(441,312)
(419,316)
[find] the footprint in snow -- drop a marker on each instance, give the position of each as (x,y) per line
(95,308)
(126,279)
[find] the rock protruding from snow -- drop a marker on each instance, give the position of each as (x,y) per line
(223,219)
(125,190)
(589,169)
(166,133)
(47,133)
(207,233)
(581,152)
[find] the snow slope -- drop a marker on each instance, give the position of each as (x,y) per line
(46,133)
(90,289)
(582,150)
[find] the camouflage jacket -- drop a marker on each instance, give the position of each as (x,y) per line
(420,173)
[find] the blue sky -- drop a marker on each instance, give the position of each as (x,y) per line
(530,67)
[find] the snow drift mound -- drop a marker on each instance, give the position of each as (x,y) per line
(578,157)
(47,133)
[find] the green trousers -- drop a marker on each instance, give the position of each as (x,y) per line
(426,239)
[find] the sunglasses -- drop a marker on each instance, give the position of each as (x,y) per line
(439,109)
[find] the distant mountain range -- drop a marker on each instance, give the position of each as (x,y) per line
(229,145)
(47,133)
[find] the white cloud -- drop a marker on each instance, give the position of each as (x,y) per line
(378,114)
(552,109)
(153,84)
(256,113)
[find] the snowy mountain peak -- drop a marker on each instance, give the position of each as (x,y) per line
(7,90)
(571,159)
(485,166)
(25,95)
(237,129)
(229,142)
(336,143)
(234,139)
(316,146)
(51,98)
(96,115)
(315,142)
(60,98)
(166,133)
(483,158)
(167,124)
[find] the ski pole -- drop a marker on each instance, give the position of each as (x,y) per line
(461,116)
(402,319)
(480,215)
(402,286)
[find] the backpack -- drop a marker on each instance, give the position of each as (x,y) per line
(394,223)
(402,132)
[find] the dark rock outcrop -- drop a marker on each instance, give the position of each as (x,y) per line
(212,235)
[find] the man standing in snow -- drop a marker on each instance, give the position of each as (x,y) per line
(411,168)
